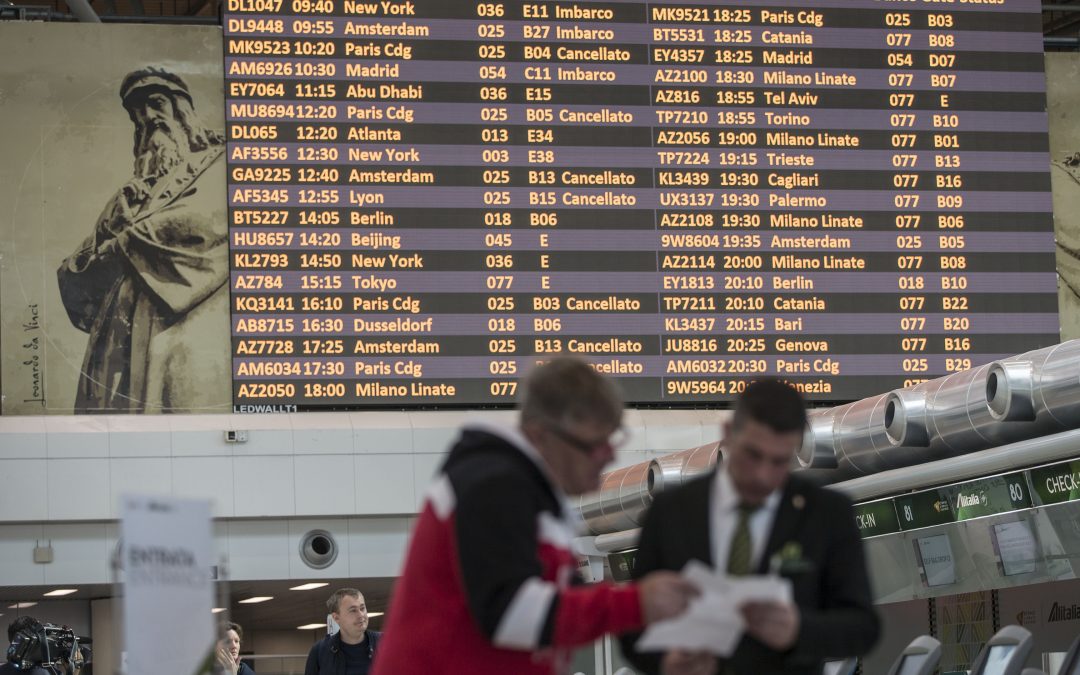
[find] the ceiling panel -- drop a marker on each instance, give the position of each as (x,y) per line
(286,611)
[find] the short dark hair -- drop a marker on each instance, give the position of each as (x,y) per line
(232,625)
(771,402)
(566,390)
(20,624)
(335,599)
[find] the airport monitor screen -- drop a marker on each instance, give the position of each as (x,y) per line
(428,197)
(912,664)
(997,659)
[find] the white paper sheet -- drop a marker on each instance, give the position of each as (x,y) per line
(712,622)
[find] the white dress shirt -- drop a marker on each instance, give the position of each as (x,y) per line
(724,519)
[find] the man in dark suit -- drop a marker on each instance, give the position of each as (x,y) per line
(751,516)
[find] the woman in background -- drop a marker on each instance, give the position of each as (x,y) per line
(228,651)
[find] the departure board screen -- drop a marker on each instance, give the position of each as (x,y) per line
(426,197)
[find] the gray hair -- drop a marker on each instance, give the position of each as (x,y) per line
(568,390)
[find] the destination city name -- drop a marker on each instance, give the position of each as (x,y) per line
(381,368)
(403,29)
(374,113)
(803,241)
(384,390)
(821,139)
(373,50)
(409,262)
(380,347)
(803,98)
(820,77)
(815,387)
(828,262)
(825,220)
(386,8)
(806,366)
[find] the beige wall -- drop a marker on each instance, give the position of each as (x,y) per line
(67,147)
(1063,108)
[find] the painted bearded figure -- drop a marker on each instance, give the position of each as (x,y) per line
(149,283)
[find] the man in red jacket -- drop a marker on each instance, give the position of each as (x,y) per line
(490,585)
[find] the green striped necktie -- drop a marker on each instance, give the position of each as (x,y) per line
(741,544)
(738,563)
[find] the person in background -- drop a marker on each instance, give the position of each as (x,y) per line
(490,585)
(751,516)
(228,650)
(351,650)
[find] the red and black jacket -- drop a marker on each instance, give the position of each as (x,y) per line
(490,585)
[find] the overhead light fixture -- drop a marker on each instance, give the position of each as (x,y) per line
(310,587)
(257,598)
(217,610)
(21,605)
(61,591)
(311,626)
(371,614)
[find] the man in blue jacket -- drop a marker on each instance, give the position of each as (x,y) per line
(351,650)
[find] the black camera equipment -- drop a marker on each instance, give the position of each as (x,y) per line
(46,645)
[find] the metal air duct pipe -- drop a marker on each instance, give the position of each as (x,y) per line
(1010,400)
(1041,387)
(619,503)
(859,435)
(1006,401)
(817,449)
(626,493)
(673,470)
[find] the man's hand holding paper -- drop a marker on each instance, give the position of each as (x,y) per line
(774,624)
(715,621)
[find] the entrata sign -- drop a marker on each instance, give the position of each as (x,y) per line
(168,590)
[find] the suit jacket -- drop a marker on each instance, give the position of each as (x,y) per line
(829,578)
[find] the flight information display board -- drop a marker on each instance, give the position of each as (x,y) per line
(428,196)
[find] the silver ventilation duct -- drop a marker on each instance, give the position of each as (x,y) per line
(619,503)
(1014,399)
(859,434)
(673,470)
(1040,387)
(817,451)
(626,493)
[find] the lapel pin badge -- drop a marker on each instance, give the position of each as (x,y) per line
(799,502)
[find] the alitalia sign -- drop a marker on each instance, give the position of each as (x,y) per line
(1063,613)
(993,495)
